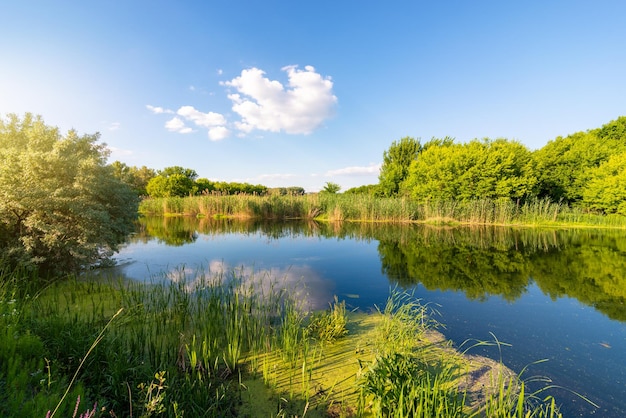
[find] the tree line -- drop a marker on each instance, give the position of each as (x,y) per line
(584,169)
(178,181)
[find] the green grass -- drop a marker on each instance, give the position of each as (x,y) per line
(353,207)
(224,345)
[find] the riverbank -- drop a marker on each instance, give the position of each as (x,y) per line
(365,208)
(335,382)
(225,347)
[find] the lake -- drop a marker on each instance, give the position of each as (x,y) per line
(558,295)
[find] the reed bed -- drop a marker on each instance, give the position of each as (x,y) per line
(197,346)
(352,207)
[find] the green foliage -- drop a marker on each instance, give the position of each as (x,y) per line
(176,348)
(331,188)
(364,207)
(396,162)
(232,188)
(171,182)
(407,379)
(565,165)
(574,170)
(135,177)
(284,191)
(402,385)
(204,186)
(329,325)
(369,189)
(492,169)
(61,207)
(606,189)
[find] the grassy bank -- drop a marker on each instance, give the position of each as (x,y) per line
(350,207)
(224,346)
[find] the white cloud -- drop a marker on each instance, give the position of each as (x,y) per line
(206,120)
(267,105)
(218,133)
(158,110)
(263,105)
(177,125)
(355,171)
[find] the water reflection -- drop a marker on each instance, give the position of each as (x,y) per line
(301,282)
(587,265)
(556,295)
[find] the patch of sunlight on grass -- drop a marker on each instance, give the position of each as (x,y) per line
(326,383)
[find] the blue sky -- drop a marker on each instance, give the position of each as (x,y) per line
(292,93)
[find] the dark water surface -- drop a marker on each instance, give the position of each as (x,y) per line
(555,295)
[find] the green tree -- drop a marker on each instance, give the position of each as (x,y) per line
(61,207)
(204,186)
(606,188)
(485,168)
(564,165)
(173,181)
(295,191)
(396,162)
(368,189)
(137,178)
(435,175)
(330,187)
(240,188)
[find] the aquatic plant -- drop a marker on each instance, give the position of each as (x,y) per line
(335,207)
(329,325)
(210,336)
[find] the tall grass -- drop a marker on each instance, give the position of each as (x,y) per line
(409,378)
(354,207)
(183,348)
(195,334)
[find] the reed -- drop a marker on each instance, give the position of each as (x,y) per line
(354,207)
(185,347)
(331,324)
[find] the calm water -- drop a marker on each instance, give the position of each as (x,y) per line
(556,295)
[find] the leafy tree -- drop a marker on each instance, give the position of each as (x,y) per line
(172,181)
(435,175)
(564,165)
(606,189)
(137,178)
(396,162)
(61,207)
(284,191)
(204,186)
(485,168)
(240,188)
(369,189)
(331,188)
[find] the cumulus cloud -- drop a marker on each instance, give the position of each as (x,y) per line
(206,120)
(218,133)
(177,125)
(267,105)
(355,171)
(158,110)
(299,107)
